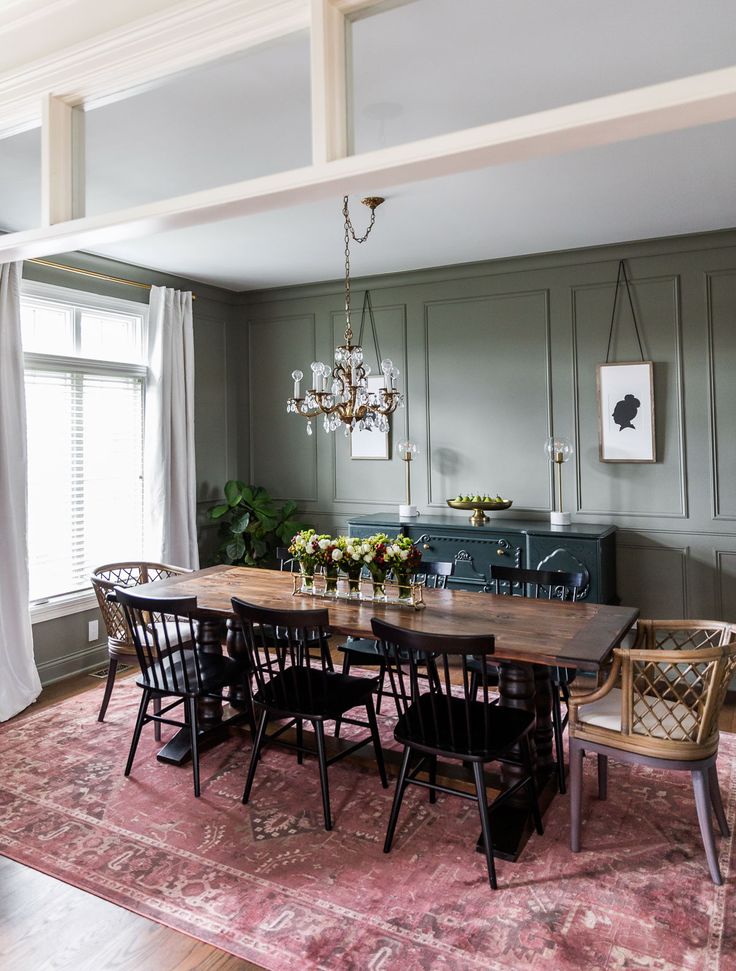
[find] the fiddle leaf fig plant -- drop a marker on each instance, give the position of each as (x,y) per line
(252,525)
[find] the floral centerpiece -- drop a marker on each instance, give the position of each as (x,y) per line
(404,558)
(329,557)
(352,561)
(306,550)
(378,560)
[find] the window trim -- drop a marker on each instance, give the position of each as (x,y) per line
(62,605)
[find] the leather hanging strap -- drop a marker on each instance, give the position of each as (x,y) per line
(622,274)
(368,306)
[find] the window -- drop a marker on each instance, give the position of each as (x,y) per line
(85,395)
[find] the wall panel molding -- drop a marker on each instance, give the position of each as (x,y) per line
(715,426)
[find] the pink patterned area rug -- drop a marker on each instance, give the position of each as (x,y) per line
(268,884)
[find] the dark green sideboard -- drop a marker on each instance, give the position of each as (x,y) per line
(513,542)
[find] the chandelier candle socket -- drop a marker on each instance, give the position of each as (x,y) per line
(340,394)
(559,451)
(407,450)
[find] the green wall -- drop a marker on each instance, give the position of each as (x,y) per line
(493,357)
(61,645)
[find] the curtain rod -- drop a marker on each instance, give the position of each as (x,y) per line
(95,274)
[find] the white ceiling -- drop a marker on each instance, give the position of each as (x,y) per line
(420,69)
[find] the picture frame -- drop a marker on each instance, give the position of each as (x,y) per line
(370,445)
(625,392)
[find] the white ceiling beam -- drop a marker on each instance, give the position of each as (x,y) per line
(329,82)
(669,106)
(112,65)
(62,153)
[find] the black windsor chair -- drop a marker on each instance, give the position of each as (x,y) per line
(440,723)
(293,684)
(173,667)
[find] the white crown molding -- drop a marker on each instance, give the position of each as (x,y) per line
(175,39)
(28,11)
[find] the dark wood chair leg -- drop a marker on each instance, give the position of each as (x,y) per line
(526,749)
(345,670)
(157,711)
(381,686)
(433,778)
(602,776)
(112,668)
(299,741)
(576,795)
(715,798)
(139,722)
(485,821)
(193,720)
(376,742)
(702,803)
(258,742)
(557,732)
(319,731)
(398,796)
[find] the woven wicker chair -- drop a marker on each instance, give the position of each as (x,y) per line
(119,641)
(659,707)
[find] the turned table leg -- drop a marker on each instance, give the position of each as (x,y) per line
(236,648)
(209,635)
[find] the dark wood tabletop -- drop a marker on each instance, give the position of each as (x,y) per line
(579,635)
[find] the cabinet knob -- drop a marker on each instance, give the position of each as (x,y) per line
(500,552)
(426,547)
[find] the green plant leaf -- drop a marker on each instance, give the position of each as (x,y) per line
(288,510)
(217,511)
(240,523)
(235,550)
(233,492)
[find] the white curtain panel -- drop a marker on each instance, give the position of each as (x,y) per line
(169,470)
(19,681)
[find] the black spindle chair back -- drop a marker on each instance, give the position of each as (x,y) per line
(301,645)
(163,635)
(537,584)
(287,563)
(422,683)
(434,574)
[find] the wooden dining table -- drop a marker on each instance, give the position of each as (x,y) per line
(530,636)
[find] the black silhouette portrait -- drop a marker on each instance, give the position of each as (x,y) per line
(625,411)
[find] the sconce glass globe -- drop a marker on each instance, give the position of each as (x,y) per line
(558,449)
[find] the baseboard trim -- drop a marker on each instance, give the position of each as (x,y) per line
(78,662)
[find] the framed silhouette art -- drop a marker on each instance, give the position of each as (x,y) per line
(626,411)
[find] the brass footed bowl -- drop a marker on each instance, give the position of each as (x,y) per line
(479,509)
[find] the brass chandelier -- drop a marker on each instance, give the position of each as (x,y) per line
(340,394)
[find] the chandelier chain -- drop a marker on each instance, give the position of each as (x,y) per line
(350,232)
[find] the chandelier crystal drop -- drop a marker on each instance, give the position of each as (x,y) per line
(340,393)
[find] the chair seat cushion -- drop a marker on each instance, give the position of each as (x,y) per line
(316,693)
(653,716)
(442,724)
(217,671)
(166,633)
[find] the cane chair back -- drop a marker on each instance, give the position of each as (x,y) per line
(106,578)
(163,634)
(663,696)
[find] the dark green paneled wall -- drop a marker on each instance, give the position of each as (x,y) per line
(493,357)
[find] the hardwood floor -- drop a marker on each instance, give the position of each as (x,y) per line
(46,924)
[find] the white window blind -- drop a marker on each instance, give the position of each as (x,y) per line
(85,442)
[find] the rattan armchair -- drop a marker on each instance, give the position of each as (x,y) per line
(119,640)
(659,707)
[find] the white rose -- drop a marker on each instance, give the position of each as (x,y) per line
(299,541)
(310,546)
(368,557)
(337,555)
(404,554)
(366,548)
(355,556)
(324,543)
(395,548)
